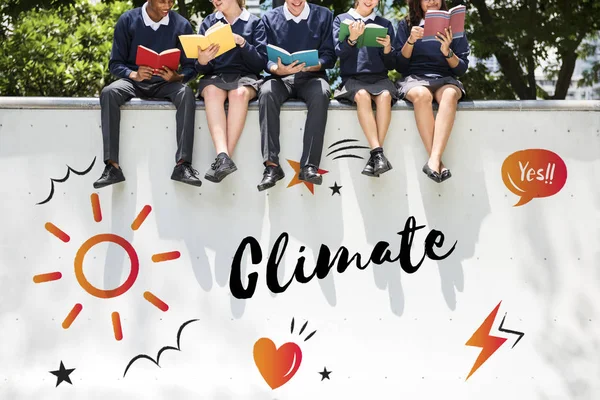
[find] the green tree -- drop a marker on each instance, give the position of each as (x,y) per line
(10,10)
(526,34)
(59,52)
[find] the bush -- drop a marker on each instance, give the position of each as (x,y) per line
(60,52)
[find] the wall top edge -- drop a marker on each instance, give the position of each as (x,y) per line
(92,103)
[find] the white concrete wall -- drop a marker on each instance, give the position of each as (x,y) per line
(383,333)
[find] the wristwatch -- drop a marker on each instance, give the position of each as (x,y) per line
(352,42)
(450,54)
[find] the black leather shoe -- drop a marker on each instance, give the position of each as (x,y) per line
(370,168)
(381,164)
(271,175)
(110,176)
(310,174)
(431,174)
(222,167)
(184,173)
(445,175)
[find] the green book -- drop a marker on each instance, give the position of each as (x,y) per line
(368,38)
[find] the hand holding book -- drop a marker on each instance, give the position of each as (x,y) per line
(207,55)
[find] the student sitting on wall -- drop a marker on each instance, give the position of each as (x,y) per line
(364,78)
(232,76)
(155,26)
(296,26)
(430,69)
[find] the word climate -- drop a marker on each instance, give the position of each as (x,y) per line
(342,260)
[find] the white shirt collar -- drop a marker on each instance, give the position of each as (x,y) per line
(244,16)
(303,15)
(422,23)
(149,22)
(356,15)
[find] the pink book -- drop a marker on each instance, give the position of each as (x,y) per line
(436,21)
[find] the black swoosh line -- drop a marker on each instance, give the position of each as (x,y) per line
(343,141)
(165,348)
(348,156)
(346,148)
(64,179)
(520,334)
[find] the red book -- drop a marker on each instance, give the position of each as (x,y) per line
(150,58)
(437,20)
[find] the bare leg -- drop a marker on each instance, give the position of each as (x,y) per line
(383,114)
(422,100)
(366,117)
(236,115)
(447,97)
(214,103)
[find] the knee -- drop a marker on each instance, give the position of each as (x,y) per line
(212,92)
(186,93)
(450,96)
(239,95)
(385,97)
(362,96)
(266,92)
(422,95)
(108,93)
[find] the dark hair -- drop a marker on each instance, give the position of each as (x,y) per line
(416,14)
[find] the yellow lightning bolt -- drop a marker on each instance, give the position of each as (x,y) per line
(481,338)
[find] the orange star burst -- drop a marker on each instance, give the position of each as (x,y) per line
(295,180)
(482,338)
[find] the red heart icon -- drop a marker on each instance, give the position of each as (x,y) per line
(277,366)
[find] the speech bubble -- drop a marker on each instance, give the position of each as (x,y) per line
(534,173)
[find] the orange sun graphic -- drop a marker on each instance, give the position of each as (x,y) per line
(101,293)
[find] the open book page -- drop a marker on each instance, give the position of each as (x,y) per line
(219,33)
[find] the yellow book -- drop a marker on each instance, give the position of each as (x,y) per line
(219,33)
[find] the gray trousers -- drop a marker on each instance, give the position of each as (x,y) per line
(315,92)
(117,93)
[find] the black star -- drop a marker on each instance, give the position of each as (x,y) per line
(325,374)
(62,374)
(335,189)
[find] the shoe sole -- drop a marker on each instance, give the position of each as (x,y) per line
(317,182)
(383,170)
(100,186)
(265,187)
(370,174)
(191,183)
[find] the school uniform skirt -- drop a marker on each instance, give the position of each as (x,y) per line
(373,84)
(228,82)
(431,83)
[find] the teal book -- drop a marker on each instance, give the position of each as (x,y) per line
(369,36)
(310,57)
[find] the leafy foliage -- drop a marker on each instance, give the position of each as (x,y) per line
(68,57)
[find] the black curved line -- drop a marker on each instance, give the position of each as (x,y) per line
(292,328)
(137,358)
(348,156)
(165,348)
(346,148)
(64,179)
(309,336)
(343,141)
(181,330)
(501,329)
(303,328)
